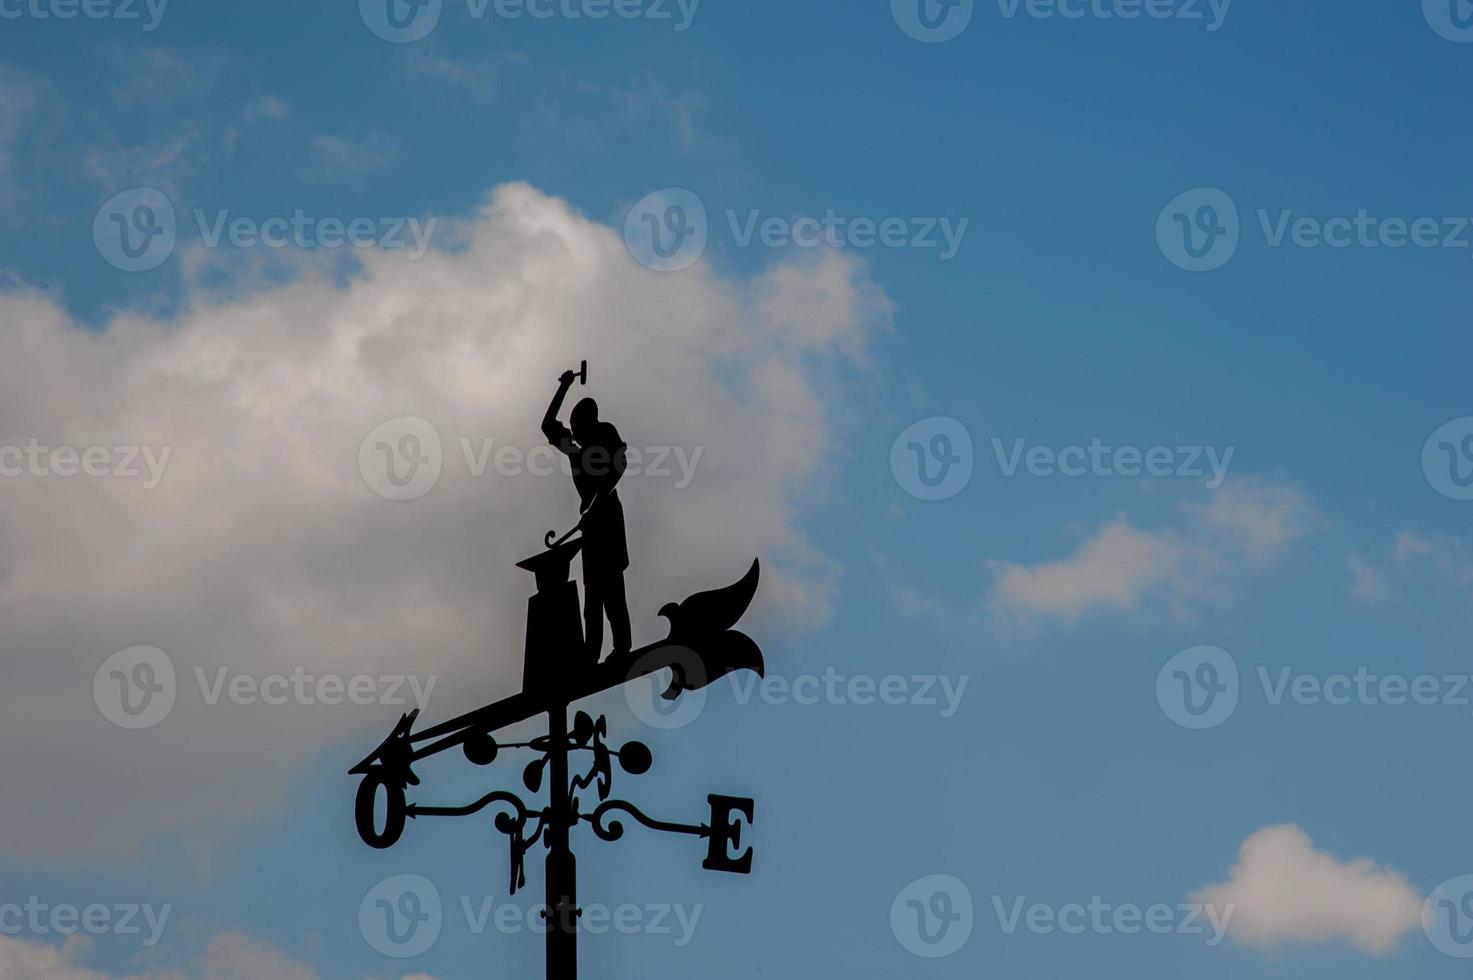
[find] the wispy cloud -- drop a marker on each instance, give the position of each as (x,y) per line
(20,101)
(478,79)
(647,97)
(1415,563)
(1368,583)
(157,77)
(353,157)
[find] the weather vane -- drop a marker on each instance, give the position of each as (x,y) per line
(562,666)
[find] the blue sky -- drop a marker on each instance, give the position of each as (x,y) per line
(1063,154)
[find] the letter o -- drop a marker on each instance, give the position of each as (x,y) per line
(365,807)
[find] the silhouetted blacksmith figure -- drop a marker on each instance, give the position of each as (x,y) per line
(598,461)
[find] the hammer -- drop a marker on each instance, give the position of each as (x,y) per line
(583,374)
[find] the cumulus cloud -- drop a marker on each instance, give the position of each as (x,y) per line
(1243,526)
(228,956)
(262,550)
(1282,890)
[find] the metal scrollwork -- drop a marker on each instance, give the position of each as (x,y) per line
(612,830)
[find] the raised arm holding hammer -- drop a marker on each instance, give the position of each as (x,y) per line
(597,456)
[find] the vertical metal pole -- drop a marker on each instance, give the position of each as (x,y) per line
(562,884)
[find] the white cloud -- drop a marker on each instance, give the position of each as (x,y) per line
(262,550)
(228,956)
(1242,526)
(1282,890)
(1116,568)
